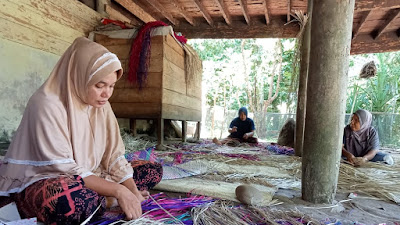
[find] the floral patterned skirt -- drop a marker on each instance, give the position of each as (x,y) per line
(66,200)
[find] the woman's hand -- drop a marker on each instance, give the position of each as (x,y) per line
(145,194)
(233,129)
(359,161)
(113,202)
(246,135)
(351,158)
(129,203)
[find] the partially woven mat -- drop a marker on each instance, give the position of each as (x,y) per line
(147,154)
(187,169)
(216,189)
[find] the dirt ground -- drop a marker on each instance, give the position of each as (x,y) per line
(358,210)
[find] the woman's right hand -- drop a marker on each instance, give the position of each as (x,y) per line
(129,203)
(351,158)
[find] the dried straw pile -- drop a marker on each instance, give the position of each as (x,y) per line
(374,179)
(368,70)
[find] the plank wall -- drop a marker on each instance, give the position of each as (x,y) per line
(165,93)
(178,102)
(48,25)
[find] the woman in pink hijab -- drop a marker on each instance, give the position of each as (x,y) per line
(67,153)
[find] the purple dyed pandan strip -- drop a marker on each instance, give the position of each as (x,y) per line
(283,150)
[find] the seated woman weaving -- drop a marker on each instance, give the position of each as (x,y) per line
(361,141)
(67,154)
(241,129)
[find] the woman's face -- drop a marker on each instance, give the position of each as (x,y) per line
(100,92)
(242,116)
(355,123)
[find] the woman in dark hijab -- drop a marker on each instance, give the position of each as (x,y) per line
(241,128)
(361,141)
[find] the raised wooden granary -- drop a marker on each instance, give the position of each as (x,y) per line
(170,92)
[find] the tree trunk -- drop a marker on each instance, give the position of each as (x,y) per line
(223,121)
(213,116)
(302,92)
(271,97)
(326,98)
(246,75)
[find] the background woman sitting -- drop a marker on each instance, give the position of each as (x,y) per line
(361,141)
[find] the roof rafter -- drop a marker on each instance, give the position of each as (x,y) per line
(243,5)
(182,11)
(203,11)
(366,44)
(288,10)
(257,29)
(163,11)
(225,13)
(357,29)
(365,5)
(136,10)
(392,15)
(266,11)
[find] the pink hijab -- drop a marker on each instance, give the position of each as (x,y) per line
(60,134)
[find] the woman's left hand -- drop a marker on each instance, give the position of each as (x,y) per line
(359,161)
(145,194)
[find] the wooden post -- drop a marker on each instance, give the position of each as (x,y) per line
(101,8)
(160,134)
(198,130)
(132,126)
(184,130)
(302,92)
(326,95)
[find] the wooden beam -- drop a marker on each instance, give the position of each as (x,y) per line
(365,43)
(224,10)
(136,10)
(366,5)
(183,12)
(392,15)
(203,11)
(163,11)
(101,7)
(46,24)
(266,11)
(288,10)
(117,12)
(257,29)
(357,29)
(243,5)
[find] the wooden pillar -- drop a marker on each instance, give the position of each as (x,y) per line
(198,130)
(184,130)
(326,95)
(132,126)
(101,8)
(160,134)
(302,92)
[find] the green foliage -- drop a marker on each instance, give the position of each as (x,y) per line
(4,137)
(224,70)
(225,80)
(380,93)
